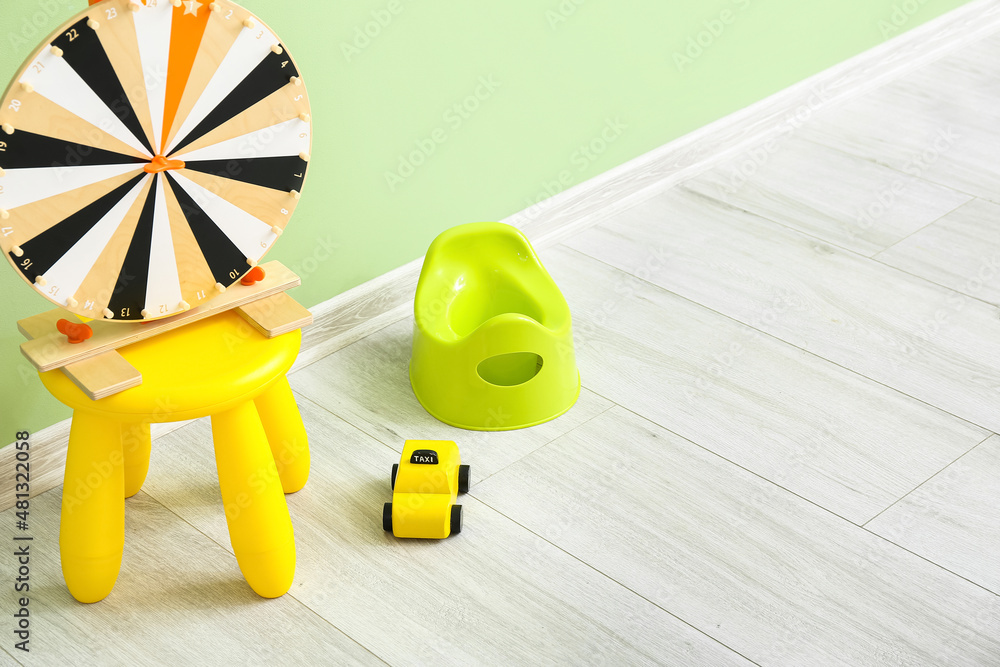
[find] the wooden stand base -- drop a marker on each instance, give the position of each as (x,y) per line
(99,371)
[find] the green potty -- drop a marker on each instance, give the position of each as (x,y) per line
(493,337)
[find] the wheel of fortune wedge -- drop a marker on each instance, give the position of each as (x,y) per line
(151,153)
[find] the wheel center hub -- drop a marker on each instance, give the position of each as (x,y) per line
(161,164)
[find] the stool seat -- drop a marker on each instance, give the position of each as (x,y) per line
(219,367)
(193,371)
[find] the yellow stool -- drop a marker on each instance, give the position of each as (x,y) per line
(216,367)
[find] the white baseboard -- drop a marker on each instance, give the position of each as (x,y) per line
(387,299)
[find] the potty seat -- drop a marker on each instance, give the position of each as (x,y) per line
(493,336)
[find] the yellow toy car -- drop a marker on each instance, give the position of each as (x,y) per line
(425,484)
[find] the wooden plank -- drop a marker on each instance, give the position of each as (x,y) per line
(103,375)
(829,435)
(276,315)
(922,339)
(52,351)
(505,597)
(43,324)
(766,573)
(98,377)
(952,518)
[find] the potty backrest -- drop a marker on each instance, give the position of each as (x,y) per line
(475,272)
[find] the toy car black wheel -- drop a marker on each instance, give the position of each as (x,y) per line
(456,519)
(387,517)
(395,469)
(464,473)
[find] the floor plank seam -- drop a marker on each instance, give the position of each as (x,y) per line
(783,341)
(348,422)
(820,239)
(929,178)
(928,560)
(296,368)
(910,492)
(612,579)
(551,440)
(737,465)
(917,231)
(937,284)
(844,153)
(814,504)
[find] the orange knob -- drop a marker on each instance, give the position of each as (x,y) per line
(160,164)
(254,275)
(75,332)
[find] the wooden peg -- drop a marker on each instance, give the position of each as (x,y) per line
(92,24)
(177,3)
(134,6)
(251,261)
(295,81)
(215,7)
(56,51)
(75,332)
(146,314)
(41,281)
(2,172)
(71,302)
(276,49)
(18,251)
(27,87)
(276,230)
(4,213)
(304,157)
(108,315)
(184,305)
(253,276)
(249,24)
(7,128)
(304,117)
(295,194)
(220,288)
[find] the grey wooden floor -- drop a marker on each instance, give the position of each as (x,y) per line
(784,453)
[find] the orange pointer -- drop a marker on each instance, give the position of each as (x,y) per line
(161,164)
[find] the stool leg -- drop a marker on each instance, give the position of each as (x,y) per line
(136,449)
(92,528)
(260,528)
(285,433)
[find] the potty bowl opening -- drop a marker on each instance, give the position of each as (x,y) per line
(510,370)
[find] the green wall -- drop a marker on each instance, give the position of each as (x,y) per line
(504,103)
